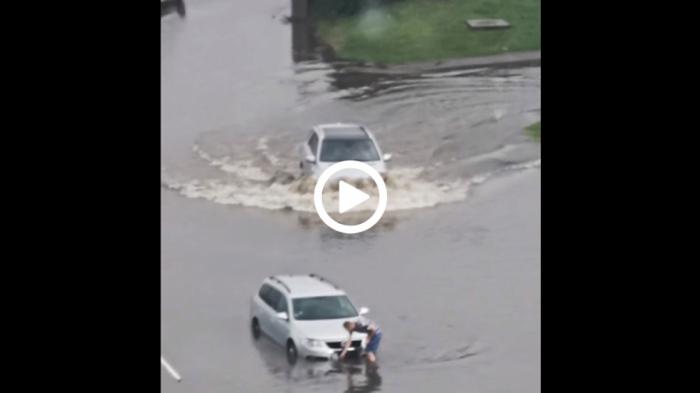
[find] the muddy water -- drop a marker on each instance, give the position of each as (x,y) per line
(451,272)
(446,131)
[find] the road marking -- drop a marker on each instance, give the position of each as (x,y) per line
(170,369)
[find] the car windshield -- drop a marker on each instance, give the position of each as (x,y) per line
(324,307)
(335,150)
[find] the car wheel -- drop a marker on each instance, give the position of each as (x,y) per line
(292,354)
(255,328)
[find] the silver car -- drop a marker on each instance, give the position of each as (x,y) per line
(331,143)
(305,314)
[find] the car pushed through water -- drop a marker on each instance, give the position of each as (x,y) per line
(305,315)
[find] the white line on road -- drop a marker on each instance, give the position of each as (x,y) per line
(170,369)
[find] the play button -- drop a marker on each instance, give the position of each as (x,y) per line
(350,197)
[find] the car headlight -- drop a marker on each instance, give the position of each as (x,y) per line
(310,342)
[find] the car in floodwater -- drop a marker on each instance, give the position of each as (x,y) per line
(305,314)
(332,143)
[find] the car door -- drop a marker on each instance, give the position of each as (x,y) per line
(261,310)
(272,299)
(280,327)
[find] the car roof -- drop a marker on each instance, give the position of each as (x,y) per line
(342,131)
(305,285)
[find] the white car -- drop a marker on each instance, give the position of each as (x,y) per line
(331,143)
(305,314)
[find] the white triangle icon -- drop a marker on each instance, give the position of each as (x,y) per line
(349,197)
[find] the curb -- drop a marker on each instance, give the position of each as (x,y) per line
(506,59)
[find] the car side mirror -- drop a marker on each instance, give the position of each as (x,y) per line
(310,159)
(387,157)
(364,310)
(283,316)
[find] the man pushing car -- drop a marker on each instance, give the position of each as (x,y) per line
(374,337)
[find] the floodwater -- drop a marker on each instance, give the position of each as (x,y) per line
(451,273)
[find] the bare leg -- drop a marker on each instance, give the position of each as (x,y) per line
(371,358)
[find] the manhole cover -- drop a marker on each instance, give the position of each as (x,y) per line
(483,24)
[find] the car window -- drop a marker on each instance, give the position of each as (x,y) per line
(274,298)
(323,307)
(335,150)
(265,293)
(281,305)
(313,143)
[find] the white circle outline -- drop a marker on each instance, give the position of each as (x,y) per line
(321,210)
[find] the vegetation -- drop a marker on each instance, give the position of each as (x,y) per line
(397,31)
(534,131)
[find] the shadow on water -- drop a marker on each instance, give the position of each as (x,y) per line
(309,221)
(307,47)
(169,6)
(305,44)
(358,376)
(372,381)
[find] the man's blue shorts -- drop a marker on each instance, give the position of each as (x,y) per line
(373,344)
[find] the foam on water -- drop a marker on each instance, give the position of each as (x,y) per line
(406,190)
(267,184)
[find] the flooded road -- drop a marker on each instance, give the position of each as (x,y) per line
(453,276)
